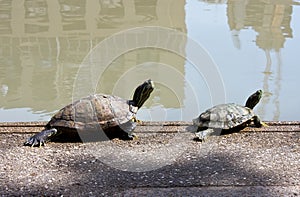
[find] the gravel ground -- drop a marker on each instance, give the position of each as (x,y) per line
(165,161)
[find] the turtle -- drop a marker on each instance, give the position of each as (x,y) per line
(228,118)
(83,119)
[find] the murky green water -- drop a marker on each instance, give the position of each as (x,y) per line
(199,53)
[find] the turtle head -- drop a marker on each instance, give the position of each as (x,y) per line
(142,93)
(254,99)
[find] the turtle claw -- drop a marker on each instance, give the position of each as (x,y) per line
(134,119)
(33,141)
(40,139)
(130,137)
(133,137)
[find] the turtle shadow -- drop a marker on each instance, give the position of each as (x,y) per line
(68,135)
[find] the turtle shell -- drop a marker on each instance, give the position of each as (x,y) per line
(224,116)
(93,111)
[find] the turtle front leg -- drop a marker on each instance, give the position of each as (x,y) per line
(127,136)
(127,130)
(258,122)
(204,134)
(41,138)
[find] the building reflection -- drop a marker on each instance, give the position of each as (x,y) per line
(271,20)
(43,43)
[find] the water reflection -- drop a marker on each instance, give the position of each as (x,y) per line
(270,19)
(44,42)
(272,22)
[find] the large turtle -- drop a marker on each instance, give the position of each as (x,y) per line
(87,118)
(227,118)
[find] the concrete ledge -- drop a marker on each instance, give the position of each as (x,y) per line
(164,161)
(172,126)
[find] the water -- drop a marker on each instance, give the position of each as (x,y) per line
(199,53)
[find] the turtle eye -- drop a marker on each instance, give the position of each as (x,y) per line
(151,83)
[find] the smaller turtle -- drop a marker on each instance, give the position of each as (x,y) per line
(87,118)
(228,118)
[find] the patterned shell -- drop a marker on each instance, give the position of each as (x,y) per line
(224,116)
(93,111)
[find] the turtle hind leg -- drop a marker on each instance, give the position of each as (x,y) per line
(41,138)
